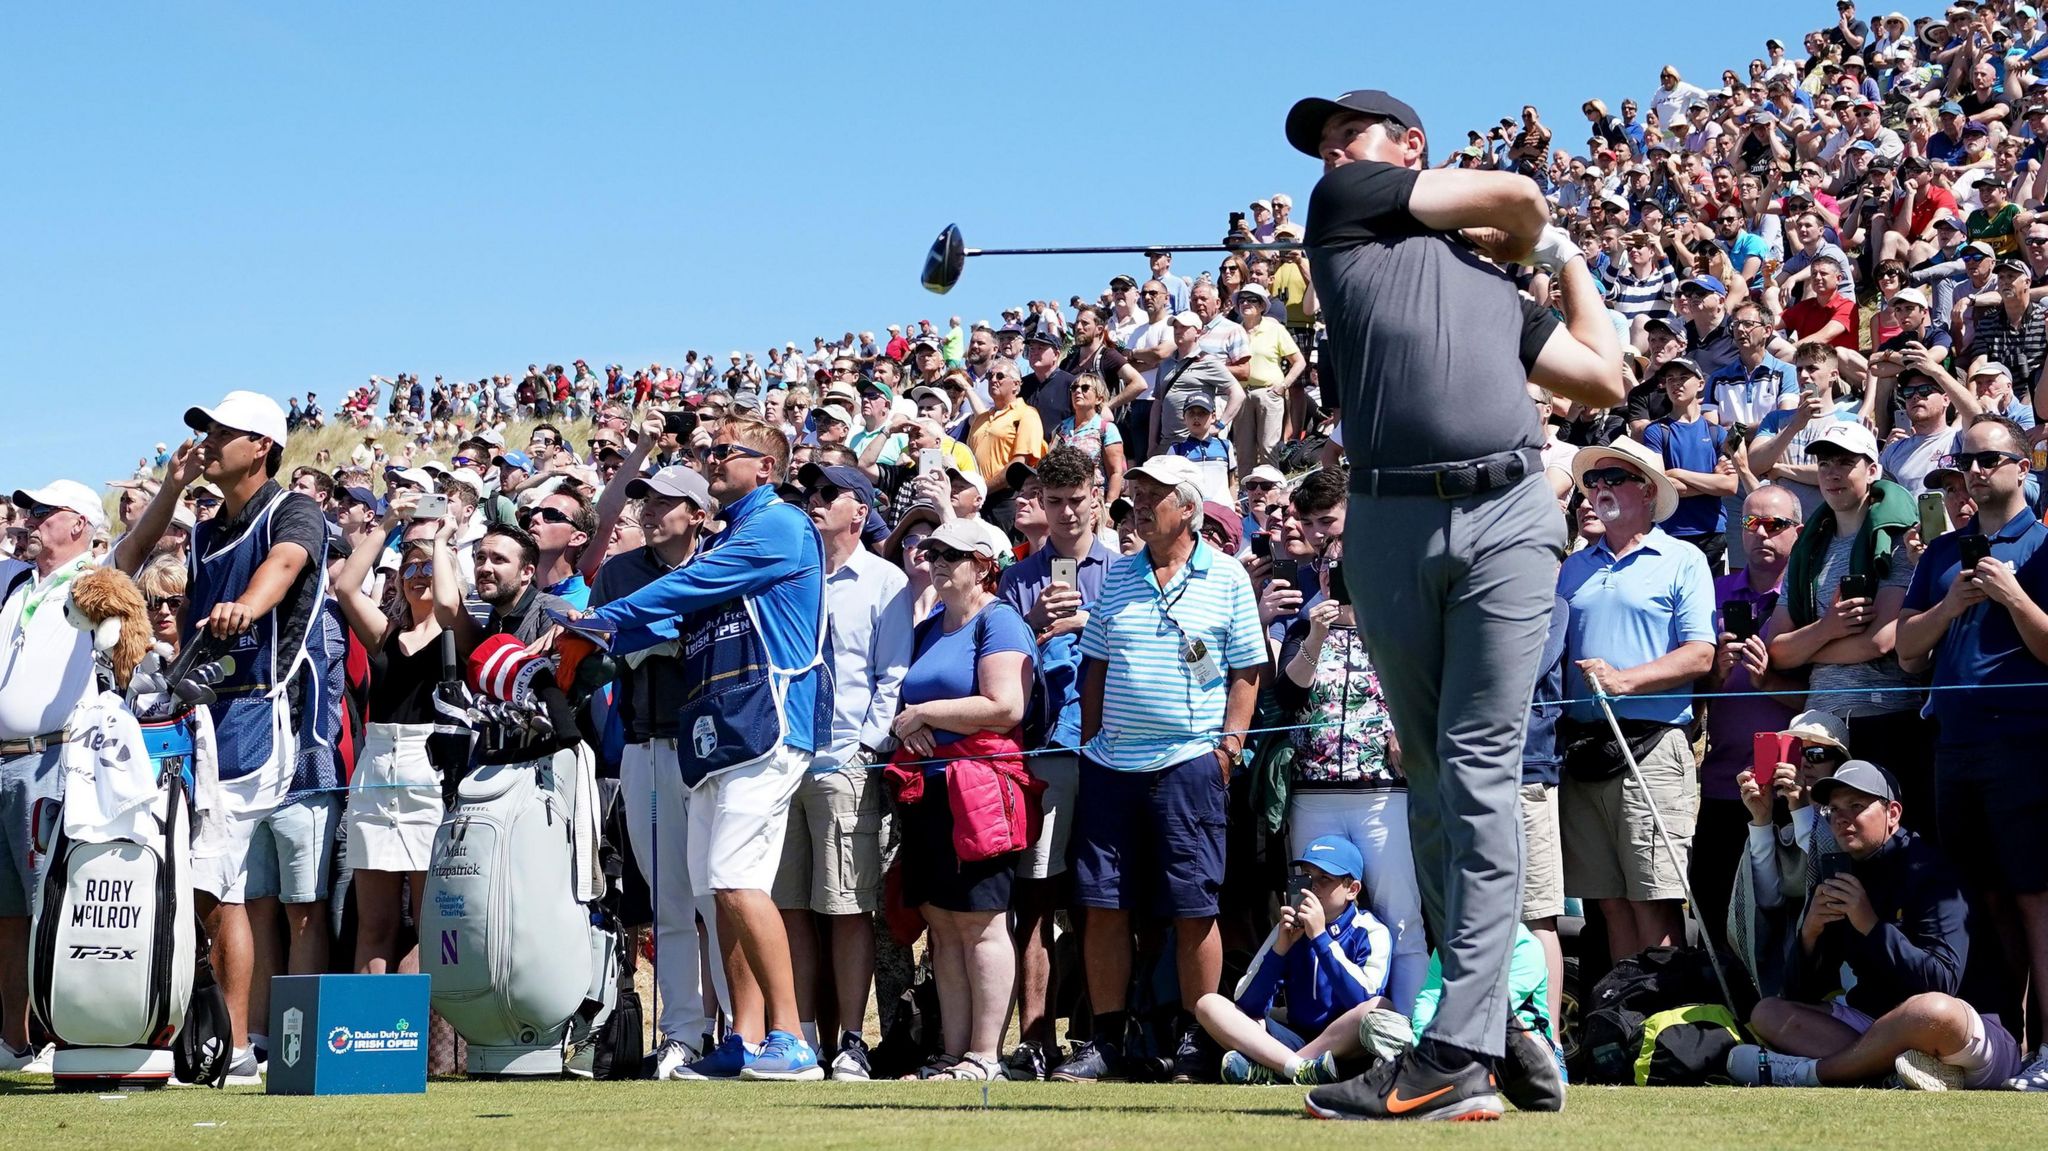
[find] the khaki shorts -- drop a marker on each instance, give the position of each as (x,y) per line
(832,852)
(1543,863)
(1061,774)
(1610,844)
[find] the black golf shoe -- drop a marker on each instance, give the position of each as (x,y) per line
(1408,1087)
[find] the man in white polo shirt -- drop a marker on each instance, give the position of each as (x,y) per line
(46,669)
(1175,656)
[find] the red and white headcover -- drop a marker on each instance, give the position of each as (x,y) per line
(500,669)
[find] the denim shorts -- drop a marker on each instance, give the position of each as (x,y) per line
(291,852)
(30,787)
(1151,842)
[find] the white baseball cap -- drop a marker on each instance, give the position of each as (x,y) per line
(1847,435)
(251,412)
(969,535)
(67,494)
(1169,469)
(972,478)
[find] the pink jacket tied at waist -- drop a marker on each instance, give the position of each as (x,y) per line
(993,799)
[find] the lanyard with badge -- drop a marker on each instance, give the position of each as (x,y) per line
(1194,653)
(36,596)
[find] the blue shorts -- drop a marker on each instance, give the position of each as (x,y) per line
(30,787)
(1151,842)
(1990,804)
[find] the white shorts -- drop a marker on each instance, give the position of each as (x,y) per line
(1989,1058)
(1061,773)
(738,821)
(394,800)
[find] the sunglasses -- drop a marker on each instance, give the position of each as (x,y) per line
(723,452)
(940,553)
(1817,756)
(206,501)
(464,461)
(159,602)
(1612,478)
(417,569)
(550,515)
(1915,391)
(42,511)
(1989,461)
(1771,525)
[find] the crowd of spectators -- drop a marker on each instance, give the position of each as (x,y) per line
(1086,559)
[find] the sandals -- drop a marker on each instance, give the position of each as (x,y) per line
(973,1069)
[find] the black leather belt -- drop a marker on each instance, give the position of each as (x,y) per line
(1452,481)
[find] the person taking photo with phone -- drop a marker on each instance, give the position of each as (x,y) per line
(1888,909)
(1975,616)
(1837,619)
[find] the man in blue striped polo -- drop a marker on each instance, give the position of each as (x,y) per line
(1175,656)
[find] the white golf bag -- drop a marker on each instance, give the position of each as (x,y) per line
(509,929)
(113,945)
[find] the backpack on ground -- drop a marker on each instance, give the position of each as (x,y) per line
(113,946)
(1656,980)
(1687,1047)
(510,929)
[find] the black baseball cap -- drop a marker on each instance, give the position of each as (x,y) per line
(1306,119)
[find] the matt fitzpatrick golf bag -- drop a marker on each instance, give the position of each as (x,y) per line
(512,928)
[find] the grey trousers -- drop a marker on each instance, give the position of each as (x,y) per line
(1453,598)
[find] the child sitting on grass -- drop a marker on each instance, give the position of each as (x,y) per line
(1332,956)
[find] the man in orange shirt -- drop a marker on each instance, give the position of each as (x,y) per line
(1008,431)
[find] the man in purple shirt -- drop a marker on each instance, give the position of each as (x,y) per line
(1770,525)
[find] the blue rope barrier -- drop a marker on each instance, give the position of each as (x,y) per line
(1177,736)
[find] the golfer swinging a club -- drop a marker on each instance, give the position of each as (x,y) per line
(1454,537)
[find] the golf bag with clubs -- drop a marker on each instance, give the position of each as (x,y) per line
(114,946)
(512,927)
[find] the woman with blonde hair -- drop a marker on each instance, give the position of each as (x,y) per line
(1093,432)
(162,582)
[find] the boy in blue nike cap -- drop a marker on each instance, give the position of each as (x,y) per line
(1330,954)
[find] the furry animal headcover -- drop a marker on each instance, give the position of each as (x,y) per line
(105,604)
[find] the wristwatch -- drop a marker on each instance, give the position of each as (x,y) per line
(1231,747)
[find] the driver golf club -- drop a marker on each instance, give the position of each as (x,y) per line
(943,264)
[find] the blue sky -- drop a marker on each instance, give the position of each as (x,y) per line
(206,196)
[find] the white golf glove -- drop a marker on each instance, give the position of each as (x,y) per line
(1554,250)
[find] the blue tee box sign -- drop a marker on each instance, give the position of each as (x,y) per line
(348,1035)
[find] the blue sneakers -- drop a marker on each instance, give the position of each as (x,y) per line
(784,1056)
(729,1060)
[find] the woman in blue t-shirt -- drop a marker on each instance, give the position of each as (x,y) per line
(970,672)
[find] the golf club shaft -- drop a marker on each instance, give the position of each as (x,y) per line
(1136,249)
(1692,907)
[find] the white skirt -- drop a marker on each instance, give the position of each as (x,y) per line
(394,800)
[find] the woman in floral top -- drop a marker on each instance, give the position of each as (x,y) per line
(1347,769)
(1093,432)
